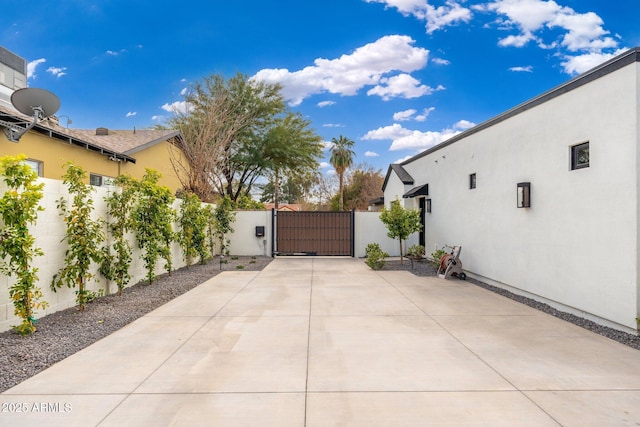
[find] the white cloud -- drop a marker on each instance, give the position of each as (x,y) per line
(406,139)
(325,104)
(441,61)
(131,114)
(410,114)
(178,107)
(31,67)
(425,113)
(371,154)
(402,85)
(401,116)
(115,52)
(525,69)
(184,91)
(387,132)
(581,63)
(366,66)
(579,32)
(417,140)
(436,17)
(324,165)
(333,125)
(158,118)
(57,71)
(463,125)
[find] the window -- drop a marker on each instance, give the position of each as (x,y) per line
(524,194)
(36,165)
(580,156)
(472,181)
(100,180)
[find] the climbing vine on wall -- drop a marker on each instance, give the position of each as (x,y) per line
(193,222)
(19,207)
(152,217)
(224,216)
(117,257)
(84,235)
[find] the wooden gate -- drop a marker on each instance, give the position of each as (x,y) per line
(314,233)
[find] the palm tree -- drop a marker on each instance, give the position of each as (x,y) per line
(341,159)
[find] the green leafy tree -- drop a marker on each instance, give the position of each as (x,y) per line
(152,217)
(19,207)
(246,203)
(222,129)
(115,266)
(290,147)
(224,217)
(361,186)
(400,222)
(341,158)
(192,235)
(84,235)
(293,188)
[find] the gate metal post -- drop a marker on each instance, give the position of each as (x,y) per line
(273,232)
(353,232)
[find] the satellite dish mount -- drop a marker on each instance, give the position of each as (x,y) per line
(38,103)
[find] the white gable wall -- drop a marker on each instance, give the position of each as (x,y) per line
(577,244)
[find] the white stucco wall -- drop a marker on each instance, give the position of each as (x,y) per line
(244,240)
(577,244)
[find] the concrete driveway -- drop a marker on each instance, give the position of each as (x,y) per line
(329,342)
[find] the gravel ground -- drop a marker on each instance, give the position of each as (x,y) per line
(64,333)
(427,269)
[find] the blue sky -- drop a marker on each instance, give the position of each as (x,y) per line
(395,76)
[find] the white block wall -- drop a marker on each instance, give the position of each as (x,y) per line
(49,232)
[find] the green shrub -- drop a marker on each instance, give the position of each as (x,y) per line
(437,256)
(416,251)
(374,256)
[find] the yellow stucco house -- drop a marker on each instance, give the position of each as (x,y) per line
(103,153)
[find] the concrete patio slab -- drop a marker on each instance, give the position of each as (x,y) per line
(328,341)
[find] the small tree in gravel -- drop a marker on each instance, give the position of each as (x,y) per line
(152,217)
(193,222)
(84,235)
(19,207)
(224,215)
(400,222)
(115,266)
(210,228)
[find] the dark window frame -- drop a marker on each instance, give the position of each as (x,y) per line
(577,156)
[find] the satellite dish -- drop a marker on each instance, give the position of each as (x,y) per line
(31,101)
(37,103)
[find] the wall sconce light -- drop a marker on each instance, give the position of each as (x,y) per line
(428,205)
(524,194)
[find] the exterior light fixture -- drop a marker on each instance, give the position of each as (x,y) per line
(428,205)
(524,194)
(38,103)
